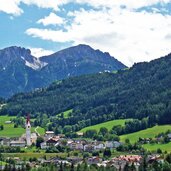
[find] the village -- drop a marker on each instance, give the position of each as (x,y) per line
(50,142)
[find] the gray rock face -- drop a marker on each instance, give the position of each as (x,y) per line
(21,72)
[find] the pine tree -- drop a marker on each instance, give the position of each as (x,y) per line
(72,167)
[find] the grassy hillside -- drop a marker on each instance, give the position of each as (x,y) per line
(147,133)
(107,125)
(10,131)
(40,130)
(154,147)
(66,113)
(143,91)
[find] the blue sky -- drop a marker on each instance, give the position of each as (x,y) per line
(131,31)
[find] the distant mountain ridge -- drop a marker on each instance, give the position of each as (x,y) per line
(141,92)
(21,72)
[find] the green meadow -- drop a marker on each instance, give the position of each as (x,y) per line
(154,147)
(66,113)
(107,125)
(147,133)
(10,131)
(28,155)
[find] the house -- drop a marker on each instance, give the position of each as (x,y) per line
(8,122)
(52,141)
(131,158)
(117,163)
(112,144)
(153,158)
(43,145)
(76,146)
(99,146)
(116,144)
(169,136)
(80,134)
(18,143)
(94,160)
(89,147)
(33,138)
(49,134)
(120,162)
(56,160)
(109,144)
(2,167)
(74,160)
(5,141)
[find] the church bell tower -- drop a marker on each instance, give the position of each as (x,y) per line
(28,131)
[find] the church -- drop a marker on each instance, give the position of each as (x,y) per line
(30,137)
(26,139)
(28,131)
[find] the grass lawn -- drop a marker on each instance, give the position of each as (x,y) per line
(154,147)
(5,118)
(41,130)
(107,125)
(10,131)
(32,154)
(147,133)
(2,163)
(66,113)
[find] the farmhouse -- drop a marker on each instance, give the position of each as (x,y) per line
(94,160)
(5,141)
(18,143)
(52,141)
(49,134)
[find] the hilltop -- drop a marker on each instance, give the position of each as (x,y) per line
(20,71)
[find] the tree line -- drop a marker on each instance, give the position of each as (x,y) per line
(141,92)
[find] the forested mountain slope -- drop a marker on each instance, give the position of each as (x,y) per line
(22,72)
(142,91)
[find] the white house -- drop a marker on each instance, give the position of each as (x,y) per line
(49,134)
(43,145)
(17,143)
(76,146)
(99,146)
(112,144)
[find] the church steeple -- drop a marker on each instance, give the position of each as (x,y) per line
(28,120)
(28,131)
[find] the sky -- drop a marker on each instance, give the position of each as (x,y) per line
(130,30)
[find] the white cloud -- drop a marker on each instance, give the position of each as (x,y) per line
(52,19)
(128,35)
(39,52)
(11,7)
(130,4)
(53,4)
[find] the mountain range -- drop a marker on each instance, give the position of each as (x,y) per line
(22,72)
(140,92)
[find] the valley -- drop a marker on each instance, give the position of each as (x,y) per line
(94,118)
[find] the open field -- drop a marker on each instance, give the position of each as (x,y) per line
(107,125)
(66,113)
(2,163)
(33,154)
(147,133)
(154,147)
(10,131)
(40,130)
